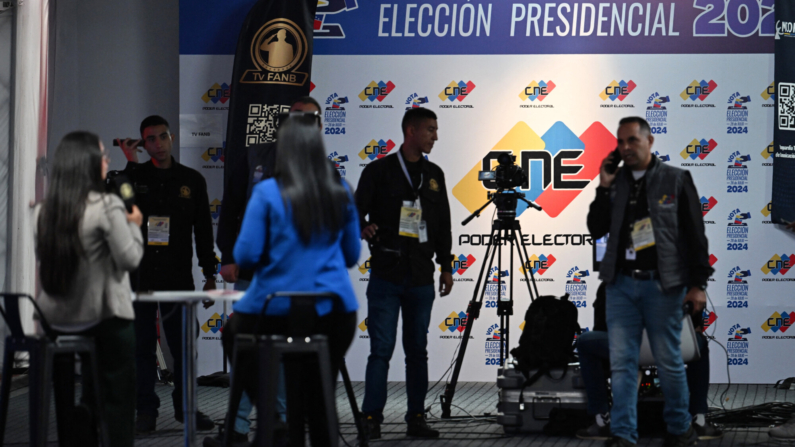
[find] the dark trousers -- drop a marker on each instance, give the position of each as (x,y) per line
(146,353)
(115,341)
(303,382)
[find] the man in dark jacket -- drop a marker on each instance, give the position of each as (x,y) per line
(656,259)
(404,213)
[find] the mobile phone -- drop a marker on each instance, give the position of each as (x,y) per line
(612,167)
(117,140)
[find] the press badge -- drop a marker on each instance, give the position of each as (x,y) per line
(157,230)
(642,234)
(410,219)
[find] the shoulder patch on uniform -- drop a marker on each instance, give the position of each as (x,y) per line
(184,192)
(433,184)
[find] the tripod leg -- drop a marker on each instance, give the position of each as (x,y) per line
(357,417)
(527,267)
(473,312)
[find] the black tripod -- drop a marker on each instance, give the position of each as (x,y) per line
(504,228)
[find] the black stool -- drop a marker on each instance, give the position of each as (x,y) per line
(269,350)
(42,351)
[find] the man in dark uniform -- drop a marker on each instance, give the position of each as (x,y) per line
(173,200)
(405,215)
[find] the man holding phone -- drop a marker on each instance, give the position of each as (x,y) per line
(656,259)
(173,199)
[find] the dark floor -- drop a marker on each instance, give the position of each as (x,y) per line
(473,398)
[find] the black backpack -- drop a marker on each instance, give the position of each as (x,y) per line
(548,337)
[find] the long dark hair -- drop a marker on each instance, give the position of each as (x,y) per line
(75,170)
(310,188)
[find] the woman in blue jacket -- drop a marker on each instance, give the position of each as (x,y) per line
(300,233)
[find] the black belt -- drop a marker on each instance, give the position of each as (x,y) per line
(641,274)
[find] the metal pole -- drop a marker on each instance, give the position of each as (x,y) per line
(189,371)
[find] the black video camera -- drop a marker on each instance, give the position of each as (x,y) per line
(507,175)
(118,183)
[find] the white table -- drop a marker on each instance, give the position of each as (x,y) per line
(189,299)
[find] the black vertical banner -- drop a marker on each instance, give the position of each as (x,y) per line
(272,68)
(784,131)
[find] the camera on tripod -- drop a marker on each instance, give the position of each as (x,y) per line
(506,175)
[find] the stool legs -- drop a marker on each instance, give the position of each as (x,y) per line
(243,343)
(5,386)
(40,375)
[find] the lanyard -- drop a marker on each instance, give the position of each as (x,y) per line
(408,177)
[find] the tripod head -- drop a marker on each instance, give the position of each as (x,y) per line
(506,201)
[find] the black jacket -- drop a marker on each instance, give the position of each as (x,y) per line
(382,189)
(181,194)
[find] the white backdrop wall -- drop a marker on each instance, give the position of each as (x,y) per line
(750,292)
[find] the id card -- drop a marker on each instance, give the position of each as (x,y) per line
(157,230)
(642,234)
(410,219)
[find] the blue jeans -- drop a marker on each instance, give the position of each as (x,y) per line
(242,422)
(593,350)
(385,301)
(632,305)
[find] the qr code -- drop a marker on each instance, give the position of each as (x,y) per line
(263,120)
(786,106)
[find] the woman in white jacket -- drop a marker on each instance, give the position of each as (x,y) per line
(86,244)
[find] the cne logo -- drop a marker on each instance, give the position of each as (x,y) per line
(415,101)
(215,209)
(376,91)
(376,149)
(778,322)
(778,264)
(538,264)
(457,91)
(217,266)
(767,209)
(770,92)
(214,154)
(278,50)
(560,165)
(537,90)
(455,322)
(462,263)
(364,268)
(712,259)
(214,324)
(768,151)
(698,90)
(217,93)
(709,318)
(323,30)
(698,149)
(707,205)
(617,90)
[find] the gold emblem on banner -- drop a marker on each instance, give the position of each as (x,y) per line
(433,185)
(184,192)
(277,50)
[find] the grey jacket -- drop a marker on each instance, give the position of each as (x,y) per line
(101,290)
(682,254)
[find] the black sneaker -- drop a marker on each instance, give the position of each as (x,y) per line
(690,437)
(372,427)
(616,441)
(418,427)
(707,431)
(595,432)
(238,440)
(145,424)
(203,422)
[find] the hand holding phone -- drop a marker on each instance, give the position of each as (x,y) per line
(607,174)
(612,166)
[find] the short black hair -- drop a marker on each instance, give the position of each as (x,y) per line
(306,100)
(415,116)
(153,120)
(644,125)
